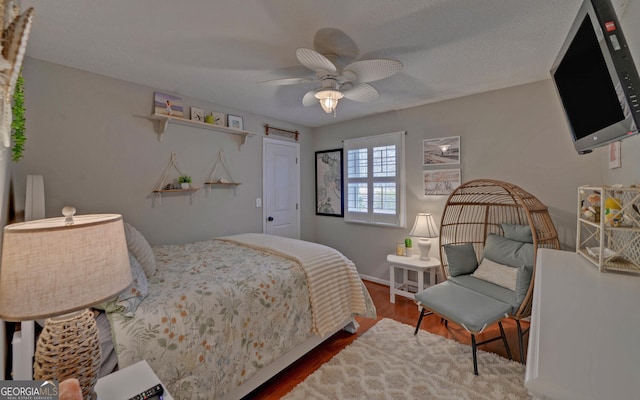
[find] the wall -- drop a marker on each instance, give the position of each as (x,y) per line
(517,135)
(88,137)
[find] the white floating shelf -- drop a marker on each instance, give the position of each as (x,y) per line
(161,121)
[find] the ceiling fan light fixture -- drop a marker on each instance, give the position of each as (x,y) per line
(329,99)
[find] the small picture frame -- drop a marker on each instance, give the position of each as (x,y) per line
(233,121)
(197,114)
(216,118)
(168,104)
(614,155)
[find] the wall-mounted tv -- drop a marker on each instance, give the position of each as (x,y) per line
(596,79)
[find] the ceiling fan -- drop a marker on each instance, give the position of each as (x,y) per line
(350,82)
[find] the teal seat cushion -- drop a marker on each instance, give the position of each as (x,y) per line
(473,310)
(508,252)
(461,258)
(489,289)
(520,233)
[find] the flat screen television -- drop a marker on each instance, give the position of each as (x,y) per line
(596,79)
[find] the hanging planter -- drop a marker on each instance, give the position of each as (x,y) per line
(184,181)
(18,123)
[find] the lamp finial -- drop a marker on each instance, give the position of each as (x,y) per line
(68,212)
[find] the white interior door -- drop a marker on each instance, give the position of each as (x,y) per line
(281,188)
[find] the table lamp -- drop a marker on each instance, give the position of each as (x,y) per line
(424,228)
(56,268)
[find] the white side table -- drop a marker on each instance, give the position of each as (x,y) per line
(128,382)
(407,288)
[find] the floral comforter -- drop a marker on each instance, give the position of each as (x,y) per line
(216,313)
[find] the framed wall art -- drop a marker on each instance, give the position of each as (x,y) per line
(614,155)
(168,104)
(197,114)
(329,199)
(441,182)
(234,122)
(441,151)
(216,118)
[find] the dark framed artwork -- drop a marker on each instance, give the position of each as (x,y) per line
(329,200)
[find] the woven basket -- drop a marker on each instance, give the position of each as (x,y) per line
(68,347)
(479,207)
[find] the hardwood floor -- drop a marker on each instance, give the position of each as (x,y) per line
(405,311)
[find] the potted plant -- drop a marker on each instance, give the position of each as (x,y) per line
(184,181)
(408,247)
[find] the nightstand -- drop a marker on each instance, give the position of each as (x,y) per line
(407,288)
(128,382)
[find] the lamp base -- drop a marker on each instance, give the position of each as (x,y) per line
(425,247)
(69,347)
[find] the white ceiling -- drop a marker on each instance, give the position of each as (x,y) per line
(218,50)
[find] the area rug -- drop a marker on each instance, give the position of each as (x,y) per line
(389,362)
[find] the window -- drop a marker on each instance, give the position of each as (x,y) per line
(375,190)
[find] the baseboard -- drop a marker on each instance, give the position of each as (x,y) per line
(374,279)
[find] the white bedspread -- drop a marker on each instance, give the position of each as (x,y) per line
(335,288)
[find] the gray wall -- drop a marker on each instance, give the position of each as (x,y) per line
(88,138)
(517,135)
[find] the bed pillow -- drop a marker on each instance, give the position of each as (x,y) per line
(523,280)
(128,301)
(508,252)
(501,275)
(461,258)
(141,250)
(520,233)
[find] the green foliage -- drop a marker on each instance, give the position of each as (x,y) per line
(184,179)
(18,124)
(407,242)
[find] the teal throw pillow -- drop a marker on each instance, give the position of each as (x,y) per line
(523,279)
(508,252)
(520,233)
(461,258)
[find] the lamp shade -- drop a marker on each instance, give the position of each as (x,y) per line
(424,226)
(329,99)
(50,267)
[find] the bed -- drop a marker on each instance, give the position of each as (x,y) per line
(218,318)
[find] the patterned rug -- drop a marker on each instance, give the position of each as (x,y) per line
(389,362)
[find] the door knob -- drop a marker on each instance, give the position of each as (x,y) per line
(270,219)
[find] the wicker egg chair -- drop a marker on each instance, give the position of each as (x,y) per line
(479,207)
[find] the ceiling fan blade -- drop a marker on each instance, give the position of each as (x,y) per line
(284,81)
(314,60)
(362,92)
(373,70)
(309,98)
